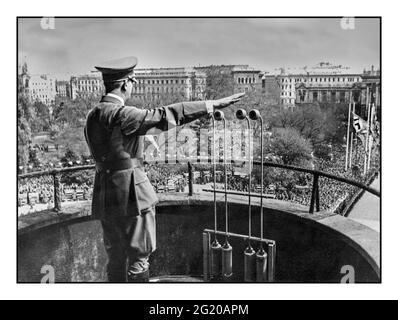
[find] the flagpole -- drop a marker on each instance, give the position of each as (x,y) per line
(356,149)
(370,136)
(351,146)
(367,131)
(367,113)
(348,136)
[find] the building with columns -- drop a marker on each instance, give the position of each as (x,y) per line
(371,78)
(325,88)
(324,83)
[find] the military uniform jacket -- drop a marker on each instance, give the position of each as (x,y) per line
(115,134)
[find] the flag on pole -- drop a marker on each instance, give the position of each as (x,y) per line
(360,127)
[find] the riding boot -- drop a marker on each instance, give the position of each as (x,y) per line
(138,277)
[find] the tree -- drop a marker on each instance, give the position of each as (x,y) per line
(253,100)
(72,138)
(70,156)
(320,123)
(24,132)
(323,151)
(306,119)
(33,157)
(73,112)
(219,82)
(291,146)
(42,117)
(336,116)
(58,107)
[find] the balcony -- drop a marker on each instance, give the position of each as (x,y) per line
(312,245)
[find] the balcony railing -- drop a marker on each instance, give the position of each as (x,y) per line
(314,203)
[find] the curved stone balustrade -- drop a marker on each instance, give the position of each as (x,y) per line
(310,247)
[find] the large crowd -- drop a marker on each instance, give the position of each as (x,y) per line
(332,194)
(295,187)
(167,178)
(40,190)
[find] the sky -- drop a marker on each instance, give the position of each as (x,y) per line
(75,45)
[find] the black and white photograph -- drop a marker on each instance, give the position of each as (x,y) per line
(198,150)
(198,159)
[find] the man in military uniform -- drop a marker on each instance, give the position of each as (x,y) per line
(123,198)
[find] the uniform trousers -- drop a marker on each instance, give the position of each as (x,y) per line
(129,241)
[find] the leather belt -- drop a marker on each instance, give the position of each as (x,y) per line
(116,165)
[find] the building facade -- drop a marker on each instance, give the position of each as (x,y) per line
(63,89)
(154,83)
(326,88)
(324,83)
(371,78)
(246,79)
(271,89)
(42,88)
(86,85)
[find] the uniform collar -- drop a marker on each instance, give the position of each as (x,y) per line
(110,97)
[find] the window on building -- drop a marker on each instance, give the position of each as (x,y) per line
(357,96)
(342,96)
(324,96)
(333,96)
(302,95)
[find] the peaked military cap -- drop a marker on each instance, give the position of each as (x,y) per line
(117,70)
